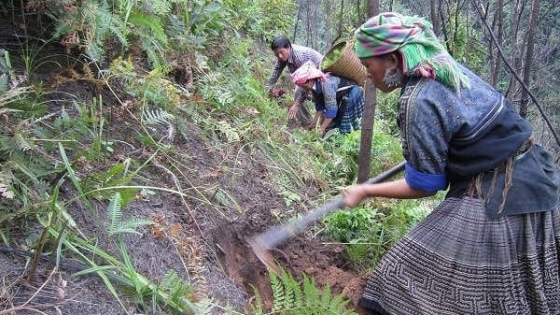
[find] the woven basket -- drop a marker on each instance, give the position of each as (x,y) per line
(347,65)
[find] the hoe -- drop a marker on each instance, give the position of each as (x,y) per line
(263,242)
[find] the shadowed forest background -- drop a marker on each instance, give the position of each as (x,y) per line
(139,150)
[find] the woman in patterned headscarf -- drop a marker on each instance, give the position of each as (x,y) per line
(339,102)
(492,246)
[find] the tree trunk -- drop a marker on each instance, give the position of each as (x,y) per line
(444,19)
(340,24)
(298,18)
(391,5)
(495,60)
(372,8)
(516,51)
(308,27)
(364,158)
(530,45)
(436,22)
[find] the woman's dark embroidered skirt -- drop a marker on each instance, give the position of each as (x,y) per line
(458,261)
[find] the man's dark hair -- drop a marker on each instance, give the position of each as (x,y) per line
(280,42)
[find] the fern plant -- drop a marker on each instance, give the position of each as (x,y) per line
(88,27)
(124,274)
(161,117)
(291,298)
(148,88)
(24,166)
(173,292)
(117,225)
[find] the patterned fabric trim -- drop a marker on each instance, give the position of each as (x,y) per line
(459,262)
(352,119)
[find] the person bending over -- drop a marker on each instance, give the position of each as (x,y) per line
(339,102)
(292,56)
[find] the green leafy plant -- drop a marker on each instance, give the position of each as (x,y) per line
(292,298)
(122,273)
(117,225)
(346,226)
(331,58)
(274,16)
(24,167)
(341,155)
(370,230)
(150,89)
(88,26)
(172,293)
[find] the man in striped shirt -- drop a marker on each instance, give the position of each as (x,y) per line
(293,56)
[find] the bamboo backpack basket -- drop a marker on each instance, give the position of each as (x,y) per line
(346,64)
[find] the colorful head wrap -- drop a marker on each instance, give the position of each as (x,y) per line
(413,37)
(308,71)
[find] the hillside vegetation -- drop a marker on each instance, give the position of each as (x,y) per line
(139,152)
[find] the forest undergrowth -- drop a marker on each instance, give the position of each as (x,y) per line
(139,152)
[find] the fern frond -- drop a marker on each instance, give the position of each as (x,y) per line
(118,27)
(180,292)
(114,212)
(175,286)
(170,131)
(159,7)
(21,142)
(326,296)
(153,39)
(88,73)
(277,292)
(299,296)
(258,304)
(157,117)
(118,226)
(155,52)
(232,134)
(291,299)
(151,26)
(17,164)
(130,225)
(97,19)
(97,24)
(312,294)
(338,305)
